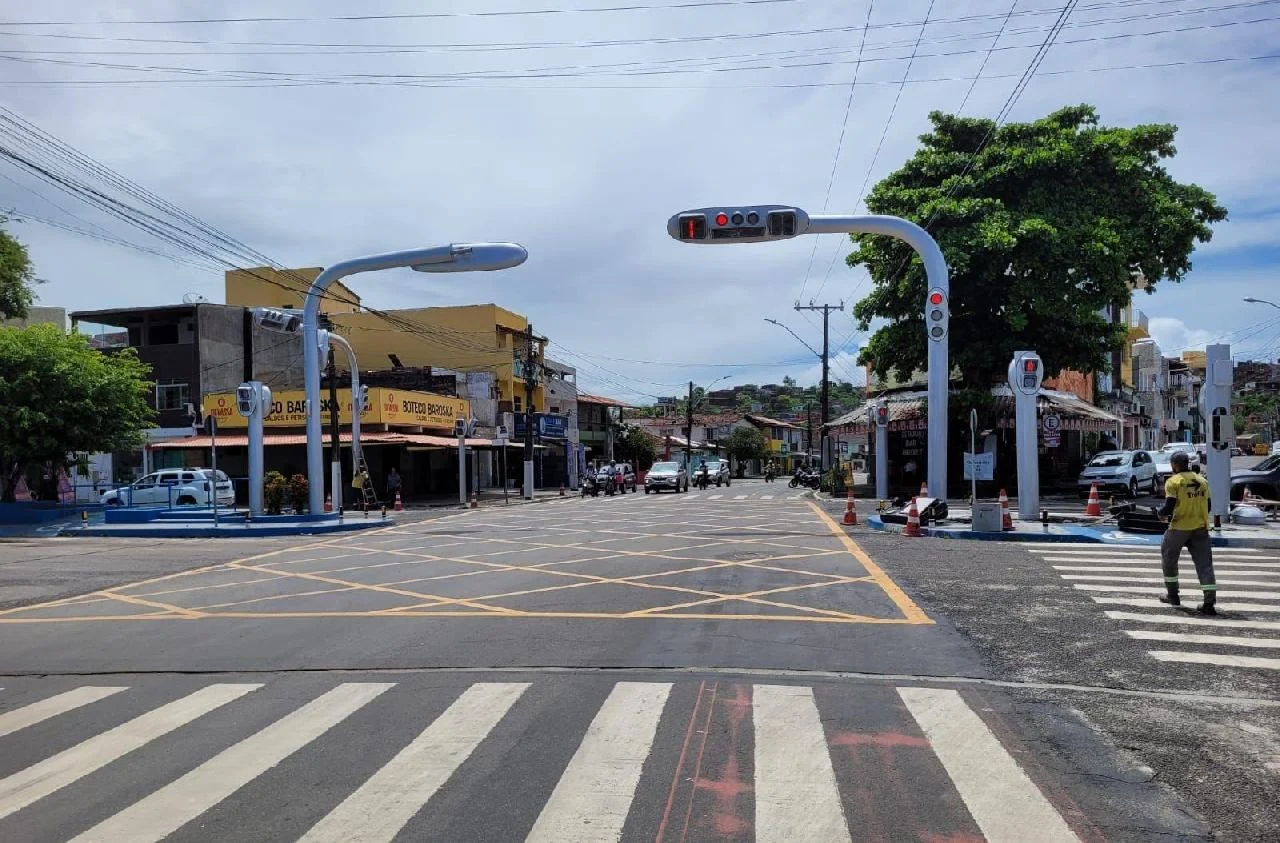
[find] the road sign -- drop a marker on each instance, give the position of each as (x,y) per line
(1052,439)
(979,466)
(1052,423)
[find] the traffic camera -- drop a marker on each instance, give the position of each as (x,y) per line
(741,224)
(936,315)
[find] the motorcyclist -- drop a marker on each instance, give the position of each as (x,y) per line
(770,471)
(615,476)
(704,475)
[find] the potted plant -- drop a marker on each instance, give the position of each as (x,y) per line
(298,490)
(273,489)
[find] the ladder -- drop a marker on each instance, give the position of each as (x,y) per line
(368,497)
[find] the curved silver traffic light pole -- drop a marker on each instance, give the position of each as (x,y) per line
(467,257)
(342,343)
(728,224)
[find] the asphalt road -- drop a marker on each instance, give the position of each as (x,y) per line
(724,665)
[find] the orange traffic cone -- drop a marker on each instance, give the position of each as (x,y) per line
(328,503)
(913,520)
(1007,518)
(1094,506)
(850,516)
(475,503)
(399,507)
(924,490)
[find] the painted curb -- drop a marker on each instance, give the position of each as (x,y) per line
(1039,538)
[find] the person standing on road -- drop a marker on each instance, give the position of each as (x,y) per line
(1186,508)
(393,483)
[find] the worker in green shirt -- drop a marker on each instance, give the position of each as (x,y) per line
(1186,508)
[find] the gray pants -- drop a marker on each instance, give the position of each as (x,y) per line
(1196,541)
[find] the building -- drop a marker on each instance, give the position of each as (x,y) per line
(784,441)
(37,315)
(598,421)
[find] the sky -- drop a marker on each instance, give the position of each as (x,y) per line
(578,131)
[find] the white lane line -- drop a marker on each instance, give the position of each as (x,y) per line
(1113,578)
(592,798)
(796,793)
(1153,553)
(1154,562)
(1191,587)
(766,497)
(1196,638)
(56,772)
(182,800)
(1004,803)
(1081,547)
(29,715)
(739,497)
(714,497)
(1120,569)
(1215,659)
(391,797)
(1152,603)
(1191,621)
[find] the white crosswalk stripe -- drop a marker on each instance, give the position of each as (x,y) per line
(1248,600)
(797,793)
(39,780)
(12,721)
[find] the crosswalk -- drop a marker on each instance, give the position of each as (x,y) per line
(1127,581)
(101,763)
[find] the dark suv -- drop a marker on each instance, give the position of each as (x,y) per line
(1262,479)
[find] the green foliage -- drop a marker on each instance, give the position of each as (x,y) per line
(1044,229)
(299,488)
(636,447)
(1263,407)
(60,396)
(746,443)
(273,490)
(16,278)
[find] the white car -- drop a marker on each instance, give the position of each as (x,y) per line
(1193,456)
(175,487)
(1126,472)
(1275,448)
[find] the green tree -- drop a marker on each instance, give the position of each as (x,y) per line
(1043,225)
(636,446)
(62,397)
(745,443)
(16,277)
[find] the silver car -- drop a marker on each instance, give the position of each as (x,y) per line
(1126,472)
(666,475)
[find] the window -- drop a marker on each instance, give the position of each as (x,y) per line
(171,394)
(163,334)
(515,402)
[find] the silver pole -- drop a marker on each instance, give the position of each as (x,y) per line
(355,398)
(462,470)
(256,462)
(973,449)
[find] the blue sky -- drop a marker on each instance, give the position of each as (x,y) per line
(529,128)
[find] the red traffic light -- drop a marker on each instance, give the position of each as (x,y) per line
(722,218)
(1030,364)
(935,297)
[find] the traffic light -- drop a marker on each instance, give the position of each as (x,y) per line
(693,227)
(246,399)
(741,224)
(782,223)
(882,415)
(364,398)
(1026,372)
(1030,372)
(936,315)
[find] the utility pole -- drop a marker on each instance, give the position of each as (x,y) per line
(529,380)
(688,432)
(335,445)
(826,365)
(808,437)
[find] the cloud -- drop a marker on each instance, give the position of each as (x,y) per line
(1174,336)
(581,151)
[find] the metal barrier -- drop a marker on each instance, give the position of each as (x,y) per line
(91,494)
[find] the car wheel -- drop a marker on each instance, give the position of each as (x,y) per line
(1133,487)
(186,500)
(115,502)
(646,490)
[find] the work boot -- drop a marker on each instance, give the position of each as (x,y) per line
(1207,607)
(1172,598)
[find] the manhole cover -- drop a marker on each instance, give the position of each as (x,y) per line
(744,555)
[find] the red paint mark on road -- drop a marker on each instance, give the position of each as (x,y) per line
(697,767)
(727,787)
(675,777)
(884,740)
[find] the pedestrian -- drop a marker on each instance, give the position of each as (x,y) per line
(393,483)
(1186,508)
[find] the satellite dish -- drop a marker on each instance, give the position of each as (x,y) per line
(194,298)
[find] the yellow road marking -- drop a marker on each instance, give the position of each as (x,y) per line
(151,604)
(452,613)
(905,604)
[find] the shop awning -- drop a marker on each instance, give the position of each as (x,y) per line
(910,410)
(369,438)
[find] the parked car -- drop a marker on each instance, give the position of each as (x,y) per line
(717,471)
(175,487)
(1275,448)
(1262,479)
(1126,472)
(666,475)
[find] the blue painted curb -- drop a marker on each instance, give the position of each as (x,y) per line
(172,530)
(1074,533)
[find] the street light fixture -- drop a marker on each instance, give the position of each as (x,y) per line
(1252,300)
(794,334)
(456,257)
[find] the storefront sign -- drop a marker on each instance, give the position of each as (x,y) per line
(979,466)
(393,407)
(553,427)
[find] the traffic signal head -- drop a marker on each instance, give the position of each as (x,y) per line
(937,315)
(1026,372)
(741,224)
(364,398)
(882,415)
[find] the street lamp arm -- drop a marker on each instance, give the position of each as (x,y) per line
(1252,300)
(917,238)
(794,334)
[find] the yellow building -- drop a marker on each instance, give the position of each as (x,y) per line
(480,337)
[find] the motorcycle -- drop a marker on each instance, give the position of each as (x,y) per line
(806,478)
(703,479)
(610,485)
(589,486)
(769,475)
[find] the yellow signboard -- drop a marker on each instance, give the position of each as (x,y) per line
(393,407)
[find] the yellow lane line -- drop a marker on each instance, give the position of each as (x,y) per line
(151,604)
(852,619)
(752,595)
(905,604)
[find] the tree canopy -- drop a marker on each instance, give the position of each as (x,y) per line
(746,443)
(1043,225)
(61,397)
(636,446)
(16,278)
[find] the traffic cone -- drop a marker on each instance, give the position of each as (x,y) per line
(924,490)
(913,521)
(399,507)
(1006,522)
(328,503)
(562,490)
(475,504)
(850,516)
(1094,506)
